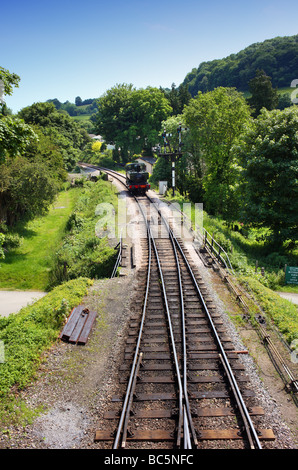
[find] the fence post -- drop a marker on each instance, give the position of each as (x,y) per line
(263,271)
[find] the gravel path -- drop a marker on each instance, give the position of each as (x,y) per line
(289,296)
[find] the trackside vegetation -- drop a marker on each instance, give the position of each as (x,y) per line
(48,238)
(30,246)
(28,334)
(243,249)
(83,252)
(282,313)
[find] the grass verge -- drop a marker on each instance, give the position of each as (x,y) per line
(28,334)
(87,249)
(282,313)
(246,246)
(28,266)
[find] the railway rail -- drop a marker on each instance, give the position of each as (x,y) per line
(182,383)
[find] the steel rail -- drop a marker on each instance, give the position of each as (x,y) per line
(174,350)
(129,404)
(265,336)
(119,258)
(246,424)
(251,432)
(244,409)
(125,409)
(183,422)
(187,413)
(275,355)
(187,418)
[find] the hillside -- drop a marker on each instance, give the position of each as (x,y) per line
(79,108)
(278,57)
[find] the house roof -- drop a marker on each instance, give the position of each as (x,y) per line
(151,160)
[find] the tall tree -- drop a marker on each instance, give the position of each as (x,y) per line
(7,81)
(113,119)
(178,97)
(263,95)
(64,132)
(216,120)
(269,155)
(130,118)
(148,109)
(30,165)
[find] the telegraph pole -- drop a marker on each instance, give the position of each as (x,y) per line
(172,155)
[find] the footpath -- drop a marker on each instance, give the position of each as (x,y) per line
(289,296)
(13,301)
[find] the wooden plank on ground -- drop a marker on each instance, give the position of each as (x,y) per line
(83,338)
(71,323)
(78,328)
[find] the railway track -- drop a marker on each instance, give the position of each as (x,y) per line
(182,383)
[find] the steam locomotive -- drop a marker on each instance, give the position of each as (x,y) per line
(137,178)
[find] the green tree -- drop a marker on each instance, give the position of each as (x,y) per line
(45,150)
(15,137)
(26,189)
(64,132)
(216,120)
(277,56)
(269,155)
(130,118)
(178,97)
(30,166)
(263,95)
(112,119)
(148,108)
(7,81)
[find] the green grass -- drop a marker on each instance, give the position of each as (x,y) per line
(81,117)
(87,249)
(28,266)
(26,336)
(244,247)
(283,314)
(291,288)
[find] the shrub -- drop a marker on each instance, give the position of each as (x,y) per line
(27,334)
(284,314)
(82,252)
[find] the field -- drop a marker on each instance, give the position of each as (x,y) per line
(28,267)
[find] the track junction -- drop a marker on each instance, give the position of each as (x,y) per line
(180,369)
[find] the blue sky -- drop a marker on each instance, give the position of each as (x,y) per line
(63,49)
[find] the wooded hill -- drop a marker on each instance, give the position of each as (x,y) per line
(80,107)
(278,57)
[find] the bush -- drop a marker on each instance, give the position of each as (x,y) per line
(82,252)
(284,314)
(27,334)
(12,240)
